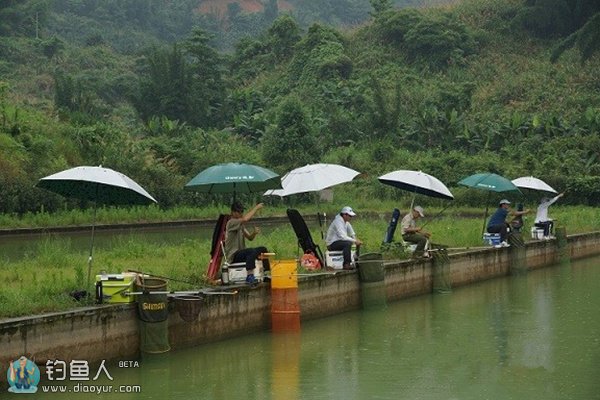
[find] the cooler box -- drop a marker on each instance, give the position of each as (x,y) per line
(335,259)
(492,239)
(537,233)
(112,288)
(237,272)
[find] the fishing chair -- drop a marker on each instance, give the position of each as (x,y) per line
(216,248)
(391,230)
(388,238)
(237,271)
(305,240)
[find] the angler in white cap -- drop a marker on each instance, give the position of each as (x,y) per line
(414,234)
(497,222)
(341,235)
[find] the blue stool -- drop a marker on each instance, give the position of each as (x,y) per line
(491,239)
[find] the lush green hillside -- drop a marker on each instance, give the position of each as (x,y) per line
(450,91)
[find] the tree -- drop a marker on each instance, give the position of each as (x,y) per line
(546,17)
(290,142)
(586,40)
(556,18)
(384,117)
(184,85)
(208,87)
(18,17)
(380,7)
(284,33)
(319,56)
(438,40)
(164,86)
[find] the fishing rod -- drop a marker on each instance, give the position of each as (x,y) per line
(302,274)
(162,277)
(469,248)
(436,216)
(183,292)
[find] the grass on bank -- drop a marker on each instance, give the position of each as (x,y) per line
(41,281)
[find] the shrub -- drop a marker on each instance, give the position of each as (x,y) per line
(320,56)
(435,40)
(439,42)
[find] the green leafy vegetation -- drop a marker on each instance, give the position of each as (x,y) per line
(449,90)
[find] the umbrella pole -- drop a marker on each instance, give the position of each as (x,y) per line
(320,219)
(487,203)
(90,258)
(321,222)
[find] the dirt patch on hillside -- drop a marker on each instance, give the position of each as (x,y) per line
(219,7)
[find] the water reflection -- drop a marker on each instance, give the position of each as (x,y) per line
(286,366)
(373,295)
(523,337)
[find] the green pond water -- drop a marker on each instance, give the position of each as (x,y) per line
(535,336)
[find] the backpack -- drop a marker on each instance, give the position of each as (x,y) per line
(310,261)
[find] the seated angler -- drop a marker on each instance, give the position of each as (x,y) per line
(341,236)
(235,241)
(498,224)
(412,233)
(541,218)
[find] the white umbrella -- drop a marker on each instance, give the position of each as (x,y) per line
(530,182)
(417,182)
(97,184)
(313,178)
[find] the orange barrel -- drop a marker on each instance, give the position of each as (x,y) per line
(285,307)
(284,274)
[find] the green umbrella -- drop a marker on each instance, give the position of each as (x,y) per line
(234,178)
(491,183)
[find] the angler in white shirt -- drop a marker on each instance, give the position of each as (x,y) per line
(541,218)
(341,235)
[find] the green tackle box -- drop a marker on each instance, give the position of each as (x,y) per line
(114,288)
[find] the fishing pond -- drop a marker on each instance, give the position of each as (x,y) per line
(532,336)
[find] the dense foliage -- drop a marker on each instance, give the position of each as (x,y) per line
(140,86)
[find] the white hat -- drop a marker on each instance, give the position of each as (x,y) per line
(504,201)
(419,209)
(348,210)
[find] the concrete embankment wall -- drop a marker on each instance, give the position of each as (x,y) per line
(112,331)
